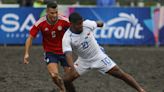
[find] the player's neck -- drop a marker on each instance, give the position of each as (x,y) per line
(74,31)
(51,22)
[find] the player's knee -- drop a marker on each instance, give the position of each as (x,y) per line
(55,76)
(117,72)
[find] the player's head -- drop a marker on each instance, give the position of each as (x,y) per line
(76,21)
(52,11)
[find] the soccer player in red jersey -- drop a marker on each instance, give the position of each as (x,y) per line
(52,27)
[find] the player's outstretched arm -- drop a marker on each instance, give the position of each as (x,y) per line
(99,23)
(27,47)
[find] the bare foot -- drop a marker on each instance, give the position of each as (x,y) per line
(142,90)
(62,90)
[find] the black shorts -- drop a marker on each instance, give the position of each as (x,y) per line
(50,57)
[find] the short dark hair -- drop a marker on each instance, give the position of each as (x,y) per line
(74,17)
(52,5)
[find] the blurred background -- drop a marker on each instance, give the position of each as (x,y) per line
(91,2)
(127,22)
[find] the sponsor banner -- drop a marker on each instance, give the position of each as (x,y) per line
(123,26)
(15,24)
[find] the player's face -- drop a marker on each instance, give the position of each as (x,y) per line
(52,14)
(78,26)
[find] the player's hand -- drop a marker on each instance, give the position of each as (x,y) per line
(26,59)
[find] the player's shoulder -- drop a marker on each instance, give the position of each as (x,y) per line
(62,17)
(68,32)
(89,24)
(88,21)
(41,20)
(67,35)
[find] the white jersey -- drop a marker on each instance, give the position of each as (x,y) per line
(83,44)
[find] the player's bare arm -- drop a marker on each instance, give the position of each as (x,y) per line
(27,47)
(73,73)
(69,58)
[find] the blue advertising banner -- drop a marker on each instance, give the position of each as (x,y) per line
(161,26)
(123,26)
(161,36)
(15,24)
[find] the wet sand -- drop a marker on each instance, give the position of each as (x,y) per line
(145,64)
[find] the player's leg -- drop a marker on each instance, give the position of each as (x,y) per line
(68,78)
(118,73)
(53,71)
(68,85)
(108,66)
(80,68)
(71,76)
(69,73)
(115,71)
(52,66)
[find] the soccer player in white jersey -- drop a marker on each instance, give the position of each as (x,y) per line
(79,39)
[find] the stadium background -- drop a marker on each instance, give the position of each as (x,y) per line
(142,58)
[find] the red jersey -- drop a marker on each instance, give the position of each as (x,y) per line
(52,34)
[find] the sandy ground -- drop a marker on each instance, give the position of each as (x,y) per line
(146,64)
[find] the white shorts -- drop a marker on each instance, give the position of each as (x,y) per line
(102,66)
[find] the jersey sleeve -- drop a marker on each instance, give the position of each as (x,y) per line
(36,27)
(91,24)
(66,43)
(66,21)
(34,31)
